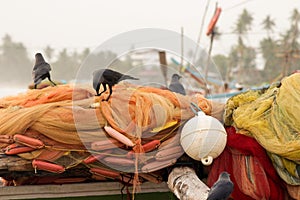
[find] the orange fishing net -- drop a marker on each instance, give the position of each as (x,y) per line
(61,112)
(139,109)
(70,120)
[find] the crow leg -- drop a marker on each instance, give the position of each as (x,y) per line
(97,89)
(36,82)
(51,81)
(110,92)
(104,89)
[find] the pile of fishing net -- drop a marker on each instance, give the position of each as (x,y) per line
(263,146)
(60,128)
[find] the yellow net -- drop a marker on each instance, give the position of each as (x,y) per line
(272,118)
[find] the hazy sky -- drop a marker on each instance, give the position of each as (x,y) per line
(76,24)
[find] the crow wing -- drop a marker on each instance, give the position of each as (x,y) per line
(40,70)
(111,77)
(220,190)
(106,76)
(177,87)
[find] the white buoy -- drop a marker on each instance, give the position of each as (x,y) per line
(203,138)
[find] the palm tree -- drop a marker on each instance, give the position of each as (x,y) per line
(14,59)
(269,48)
(242,26)
(289,45)
(295,34)
(49,52)
(295,16)
(268,25)
(244,23)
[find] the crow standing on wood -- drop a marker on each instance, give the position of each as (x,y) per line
(41,70)
(222,188)
(176,86)
(107,77)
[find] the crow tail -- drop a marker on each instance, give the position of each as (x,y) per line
(128,77)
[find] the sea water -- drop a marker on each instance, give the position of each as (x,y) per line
(10,91)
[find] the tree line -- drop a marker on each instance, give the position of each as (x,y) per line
(16,67)
(280,53)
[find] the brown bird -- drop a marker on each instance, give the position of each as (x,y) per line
(41,70)
(107,77)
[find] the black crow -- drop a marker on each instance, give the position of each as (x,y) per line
(108,77)
(176,86)
(222,188)
(41,70)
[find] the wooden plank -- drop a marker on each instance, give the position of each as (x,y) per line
(74,190)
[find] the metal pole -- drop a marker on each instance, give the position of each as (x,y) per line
(182,49)
(208,59)
(200,32)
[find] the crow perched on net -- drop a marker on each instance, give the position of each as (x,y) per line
(176,86)
(41,70)
(108,77)
(222,188)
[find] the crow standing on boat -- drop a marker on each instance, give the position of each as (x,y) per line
(41,70)
(222,188)
(176,86)
(107,77)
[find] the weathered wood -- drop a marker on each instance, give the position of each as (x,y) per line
(14,163)
(74,190)
(186,185)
